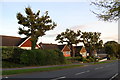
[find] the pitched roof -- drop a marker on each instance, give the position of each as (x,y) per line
(83,50)
(65,48)
(79,49)
(11,40)
(48,46)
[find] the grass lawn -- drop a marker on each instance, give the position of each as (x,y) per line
(10,72)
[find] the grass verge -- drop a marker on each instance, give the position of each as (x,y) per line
(10,72)
(102,62)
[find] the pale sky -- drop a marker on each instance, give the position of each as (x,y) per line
(71,15)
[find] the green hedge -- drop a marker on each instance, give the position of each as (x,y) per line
(42,57)
(12,54)
(6,64)
(81,59)
(31,57)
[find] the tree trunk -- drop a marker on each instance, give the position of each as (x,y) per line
(33,43)
(72,51)
(91,51)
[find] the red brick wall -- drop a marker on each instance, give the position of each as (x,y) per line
(27,44)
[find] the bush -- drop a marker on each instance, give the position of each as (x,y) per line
(16,55)
(11,54)
(7,52)
(74,59)
(6,64)
(91,59)
(42,57)
(32,57)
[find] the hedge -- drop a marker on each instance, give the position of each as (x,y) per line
(31,57)
(42,57)
(12,54)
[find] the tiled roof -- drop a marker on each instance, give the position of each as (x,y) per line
(48,46)
(64,48)
(11,40)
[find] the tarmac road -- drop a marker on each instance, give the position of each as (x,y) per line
(106,71)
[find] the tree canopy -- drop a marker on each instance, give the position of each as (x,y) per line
(33,25)
(92,41)
(108,10)
(111,48)
(70,37)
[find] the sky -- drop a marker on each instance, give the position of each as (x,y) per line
(75,15)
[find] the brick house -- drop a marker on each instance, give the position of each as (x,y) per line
(65,50)
(12,41)
(80,50)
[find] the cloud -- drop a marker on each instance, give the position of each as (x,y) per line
(109,31)
(79,27)
(51,35)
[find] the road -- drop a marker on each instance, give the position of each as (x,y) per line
(106,71)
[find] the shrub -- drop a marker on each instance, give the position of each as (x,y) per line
(16,54)
(7,52)
(42,57)
(32,57)
(84,60)
(74,59)
(11,54)
(91,59)
(6,64)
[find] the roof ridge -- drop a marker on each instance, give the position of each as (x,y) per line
(10,36)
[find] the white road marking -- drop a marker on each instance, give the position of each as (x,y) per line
(113,76)
(98,68)
(6,77)
(82,72)
(59,78)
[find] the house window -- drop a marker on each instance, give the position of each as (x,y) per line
(67,52)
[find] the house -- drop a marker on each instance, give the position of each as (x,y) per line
(12,41)
(83,52)
(65,50)
(80,50)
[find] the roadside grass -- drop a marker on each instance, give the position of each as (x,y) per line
(10,72)
(101,62)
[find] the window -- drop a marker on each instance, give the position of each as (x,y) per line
(67,52)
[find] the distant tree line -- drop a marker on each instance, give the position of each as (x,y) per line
(112,48)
